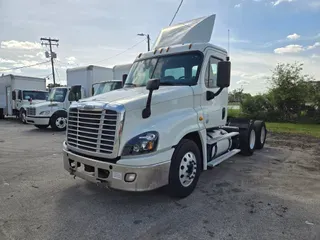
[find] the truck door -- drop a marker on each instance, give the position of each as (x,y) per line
(213,109)
(9,100)
(19,100)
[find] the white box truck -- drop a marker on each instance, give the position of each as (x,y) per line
(169,122)
(81,83)
(18,92)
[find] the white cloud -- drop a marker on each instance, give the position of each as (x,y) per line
(71,60)
(315,56)
(243,82)
(293,48)
(237,5)
(13,44)
(315,4)
(280,1)
(28,56)
(2,60)
(317,44)
(293,36)
(41,55)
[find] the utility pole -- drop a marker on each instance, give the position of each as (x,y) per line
(51,42)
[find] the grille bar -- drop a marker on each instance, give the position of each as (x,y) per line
(31,111)
(92,130)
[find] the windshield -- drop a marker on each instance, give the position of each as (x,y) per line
(35,95)
(105,87)
(173,70)
(57,94)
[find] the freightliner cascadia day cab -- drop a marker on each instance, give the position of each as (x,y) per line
(81,83)
(169,122)
(18,92)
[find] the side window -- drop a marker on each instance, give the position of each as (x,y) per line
(20,95)
(211,73)
(194,71)
(177,73)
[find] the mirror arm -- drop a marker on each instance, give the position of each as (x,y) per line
(147,111)
(218,92)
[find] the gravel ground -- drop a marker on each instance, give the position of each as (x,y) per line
(274,194)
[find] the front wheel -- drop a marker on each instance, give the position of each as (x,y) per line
(58,122)
(23,116)
(184,169)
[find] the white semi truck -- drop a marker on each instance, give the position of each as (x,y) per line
(81,83)
(18,92)
(169,122)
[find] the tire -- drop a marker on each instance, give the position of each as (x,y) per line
(58,122)
(1,113)
(22,116)
(261,133)
(41,126)
(185,163)
(247,140)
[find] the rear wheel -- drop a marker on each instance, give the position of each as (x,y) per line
(184,169)
(1,113)
(247,140)
(261,133)
(58,122)
(42,126)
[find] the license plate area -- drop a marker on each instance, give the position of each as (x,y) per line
(96,172)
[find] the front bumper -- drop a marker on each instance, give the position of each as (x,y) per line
(113,175)
(38,120)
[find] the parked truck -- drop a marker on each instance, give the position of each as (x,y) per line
(18,92)
(81,83)
(169,122)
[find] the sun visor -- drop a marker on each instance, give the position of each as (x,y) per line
(193,31)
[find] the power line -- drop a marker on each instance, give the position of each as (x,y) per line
(174,16)
(26,66)
(106,59)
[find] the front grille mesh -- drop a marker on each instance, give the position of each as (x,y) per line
(31,111)
(92,130)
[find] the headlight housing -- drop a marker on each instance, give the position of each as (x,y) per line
(45,112)
(143,143)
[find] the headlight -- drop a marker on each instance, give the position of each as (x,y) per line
(45,113)
(144,143)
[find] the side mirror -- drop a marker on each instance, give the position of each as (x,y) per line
(124,78)
(153,84)
(223,74)
(14,95)
(210,95)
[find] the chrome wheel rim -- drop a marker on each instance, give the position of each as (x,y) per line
(61,122)
(187,169)
(252,139)
(263,135)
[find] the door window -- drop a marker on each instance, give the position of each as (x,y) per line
(211,73)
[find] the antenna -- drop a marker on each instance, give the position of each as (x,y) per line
(228,44)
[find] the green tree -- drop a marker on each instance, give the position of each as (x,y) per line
(289,90)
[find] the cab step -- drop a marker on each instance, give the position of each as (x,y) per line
(223,157)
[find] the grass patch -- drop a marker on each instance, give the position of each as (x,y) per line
(305,129)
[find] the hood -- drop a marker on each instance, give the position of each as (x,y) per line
(136,98)
(44,104)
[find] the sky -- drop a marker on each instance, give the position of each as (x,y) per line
(102,32)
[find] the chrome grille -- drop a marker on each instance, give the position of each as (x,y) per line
(31,111)
(92,130)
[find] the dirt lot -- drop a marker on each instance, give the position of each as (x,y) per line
(275,194)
